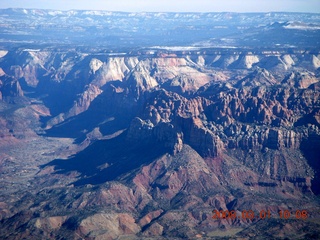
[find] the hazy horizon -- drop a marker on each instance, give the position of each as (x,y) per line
(312,6)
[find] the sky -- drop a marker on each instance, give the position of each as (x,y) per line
(171,5)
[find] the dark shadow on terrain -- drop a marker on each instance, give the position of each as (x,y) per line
(108,159)
(78,126)
(108,111)
(311,151)
(27,90)
(58,97)
(308,119)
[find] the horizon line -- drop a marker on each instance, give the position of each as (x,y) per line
(104,10)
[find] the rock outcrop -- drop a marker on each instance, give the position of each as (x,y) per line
(301,80)
(10,87)
(161,140)
(164,133)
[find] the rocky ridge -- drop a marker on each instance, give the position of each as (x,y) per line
(173,137)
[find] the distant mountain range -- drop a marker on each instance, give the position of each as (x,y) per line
(115,30)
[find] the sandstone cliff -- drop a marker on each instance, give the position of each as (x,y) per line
(161,141)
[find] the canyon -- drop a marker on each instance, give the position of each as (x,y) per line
(147,143)
(157,139)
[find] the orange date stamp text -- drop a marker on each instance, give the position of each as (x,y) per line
(263,214)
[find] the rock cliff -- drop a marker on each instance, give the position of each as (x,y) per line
(159,141)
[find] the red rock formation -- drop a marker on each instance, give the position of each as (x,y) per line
(244,142)
(300,80)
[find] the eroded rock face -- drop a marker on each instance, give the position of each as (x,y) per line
(9,87)
(260,77)
(235,110)
(50,223)
(205,141)
(300,80)
(174,120)
(164,133)
(229,132)
(82,104)
(108,226)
